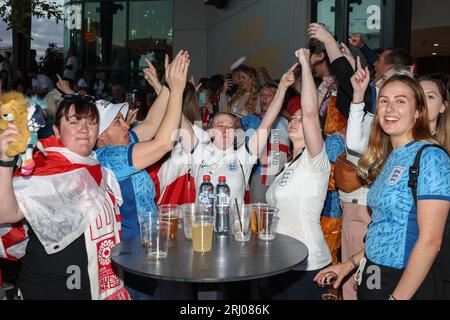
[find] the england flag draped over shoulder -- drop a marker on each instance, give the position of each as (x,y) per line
(13,241)
(68,196)
(173,178)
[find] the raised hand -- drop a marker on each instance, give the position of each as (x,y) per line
(7,136)
(288,78)
(151,75)
(177,72)
(360,81)
(166,66)
(319,32)
(348,54)
(327,84)
(356,40)
(131,116)
(63,85)
(303,56)
(227,84)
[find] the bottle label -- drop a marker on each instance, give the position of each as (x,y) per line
(223,200)
(204,199)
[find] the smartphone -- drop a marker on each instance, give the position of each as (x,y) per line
(229,76)
(202,97)
(131,99)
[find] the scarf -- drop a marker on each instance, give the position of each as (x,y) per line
(67,196)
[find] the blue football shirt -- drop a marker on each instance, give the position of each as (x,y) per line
(334,147)
(137,187)
(394,229)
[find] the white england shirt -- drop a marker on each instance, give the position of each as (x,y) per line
(299,191)
(235,165)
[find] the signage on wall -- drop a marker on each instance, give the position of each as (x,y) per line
(374,19)
(73,17)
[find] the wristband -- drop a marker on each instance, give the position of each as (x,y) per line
(8,164)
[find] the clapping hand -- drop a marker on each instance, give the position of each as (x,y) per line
(151,75)
(177,72)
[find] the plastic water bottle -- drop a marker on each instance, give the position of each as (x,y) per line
(222,215)
(206,196)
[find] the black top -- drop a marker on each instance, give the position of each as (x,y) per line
(344,71)
(63,275)
(229,260)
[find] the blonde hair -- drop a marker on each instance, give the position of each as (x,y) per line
(380,146)
(251,104)
(400,69)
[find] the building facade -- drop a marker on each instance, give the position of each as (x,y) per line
(116,36)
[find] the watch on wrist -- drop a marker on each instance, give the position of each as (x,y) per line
(8,164)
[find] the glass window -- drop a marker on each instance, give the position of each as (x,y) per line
(150,34)
(365,18)
(326,14)
(331,14)
(6,37)
(104,27)
(73,34)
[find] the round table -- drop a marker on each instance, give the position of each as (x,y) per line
(229,260)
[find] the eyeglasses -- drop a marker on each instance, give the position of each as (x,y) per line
(78,98)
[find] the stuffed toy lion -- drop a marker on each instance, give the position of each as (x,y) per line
(14,110)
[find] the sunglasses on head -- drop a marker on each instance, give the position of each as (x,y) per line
(78,98)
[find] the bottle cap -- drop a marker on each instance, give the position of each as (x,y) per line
(222,179)
(206,178)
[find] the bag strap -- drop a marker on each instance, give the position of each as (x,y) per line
(413,181)
(373,107)
(414,170)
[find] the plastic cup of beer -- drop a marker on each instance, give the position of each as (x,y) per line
(145,219)
(202,233)
(159,245)
(256,212)
(241,222)
(188,212)
(267,223)
(170,214)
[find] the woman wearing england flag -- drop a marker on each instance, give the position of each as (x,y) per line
(70,209)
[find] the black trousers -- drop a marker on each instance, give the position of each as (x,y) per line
(378,281)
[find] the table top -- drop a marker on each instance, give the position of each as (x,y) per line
(229,260)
